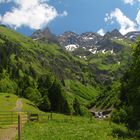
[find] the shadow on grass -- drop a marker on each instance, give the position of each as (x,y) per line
(30,104)
(119,133)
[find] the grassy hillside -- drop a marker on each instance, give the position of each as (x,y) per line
(110,68)
(56,80)
(8,103)
(32,67)
(85,94)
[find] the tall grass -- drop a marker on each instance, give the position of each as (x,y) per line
(78,128)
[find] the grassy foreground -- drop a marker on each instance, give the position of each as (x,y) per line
(78,128)
(63,127)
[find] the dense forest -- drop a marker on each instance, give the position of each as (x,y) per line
(128,109)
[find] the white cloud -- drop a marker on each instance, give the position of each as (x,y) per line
(32,13)
(17,1)
(65,13)
(5,1)
(138,18)
(131,2)
(126,25)
(101,32)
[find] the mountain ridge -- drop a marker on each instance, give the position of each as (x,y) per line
(90,41)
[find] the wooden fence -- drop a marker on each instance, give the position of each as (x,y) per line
(11,119)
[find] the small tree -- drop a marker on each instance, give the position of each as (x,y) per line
(45,104)
(76,106)
(34,95)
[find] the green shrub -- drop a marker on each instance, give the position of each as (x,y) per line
(45,104)
(119,116)
(33,95)
(6,84)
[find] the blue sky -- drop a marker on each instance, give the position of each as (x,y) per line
(79,16)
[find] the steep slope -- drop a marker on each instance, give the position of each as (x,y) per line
(105,59)
(108,57)
(58,80)
(101,54)
(38,71)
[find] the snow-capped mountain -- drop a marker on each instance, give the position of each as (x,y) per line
(88,41)
(91,42)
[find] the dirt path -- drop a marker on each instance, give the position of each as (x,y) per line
(18,106)
(10,133)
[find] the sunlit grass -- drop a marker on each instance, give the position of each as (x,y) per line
(78,128)
(7,101)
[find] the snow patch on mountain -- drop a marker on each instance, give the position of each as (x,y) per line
(71,47)
(93,51)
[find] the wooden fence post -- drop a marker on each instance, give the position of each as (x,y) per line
(19,127)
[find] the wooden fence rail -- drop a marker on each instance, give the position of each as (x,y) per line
(10,119)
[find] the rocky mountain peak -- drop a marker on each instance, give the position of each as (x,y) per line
(113,34)
(90,35)
(37,34)
(88,41)
(68,38)
(69,34)
(46,31)
(45,35)
(116,33)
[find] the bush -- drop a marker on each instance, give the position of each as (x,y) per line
(45,104)
(33,94)
(84,111)
(6,84)
(76,106)
(57,98)
(138,133)
(119,116)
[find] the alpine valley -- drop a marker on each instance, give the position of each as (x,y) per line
(74,74)
(65,73)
